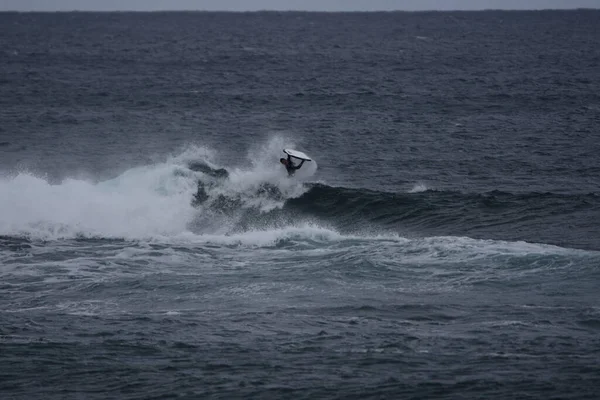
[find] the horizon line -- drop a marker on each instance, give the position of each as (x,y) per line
(301,11)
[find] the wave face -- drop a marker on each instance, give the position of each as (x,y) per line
(495,215)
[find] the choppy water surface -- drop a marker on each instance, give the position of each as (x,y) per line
(442,244)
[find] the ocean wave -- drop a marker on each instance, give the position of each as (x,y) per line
(191,194)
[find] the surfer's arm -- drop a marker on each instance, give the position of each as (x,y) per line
(297,166)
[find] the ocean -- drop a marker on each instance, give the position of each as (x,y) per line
(443,243)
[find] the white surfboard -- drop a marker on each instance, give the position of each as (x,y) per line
(297,154)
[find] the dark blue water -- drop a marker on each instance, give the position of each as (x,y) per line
(443,242)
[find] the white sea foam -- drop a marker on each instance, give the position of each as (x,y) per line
(141,202)
(418,188)
(144,202)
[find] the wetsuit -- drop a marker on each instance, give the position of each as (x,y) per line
(291,168)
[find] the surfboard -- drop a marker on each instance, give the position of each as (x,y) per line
(297,154)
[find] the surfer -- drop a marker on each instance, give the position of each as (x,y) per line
(289,165)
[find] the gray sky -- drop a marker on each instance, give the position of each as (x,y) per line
(309,5)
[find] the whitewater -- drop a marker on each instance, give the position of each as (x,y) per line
(143,202)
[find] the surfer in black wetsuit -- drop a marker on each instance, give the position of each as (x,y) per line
(289,165)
